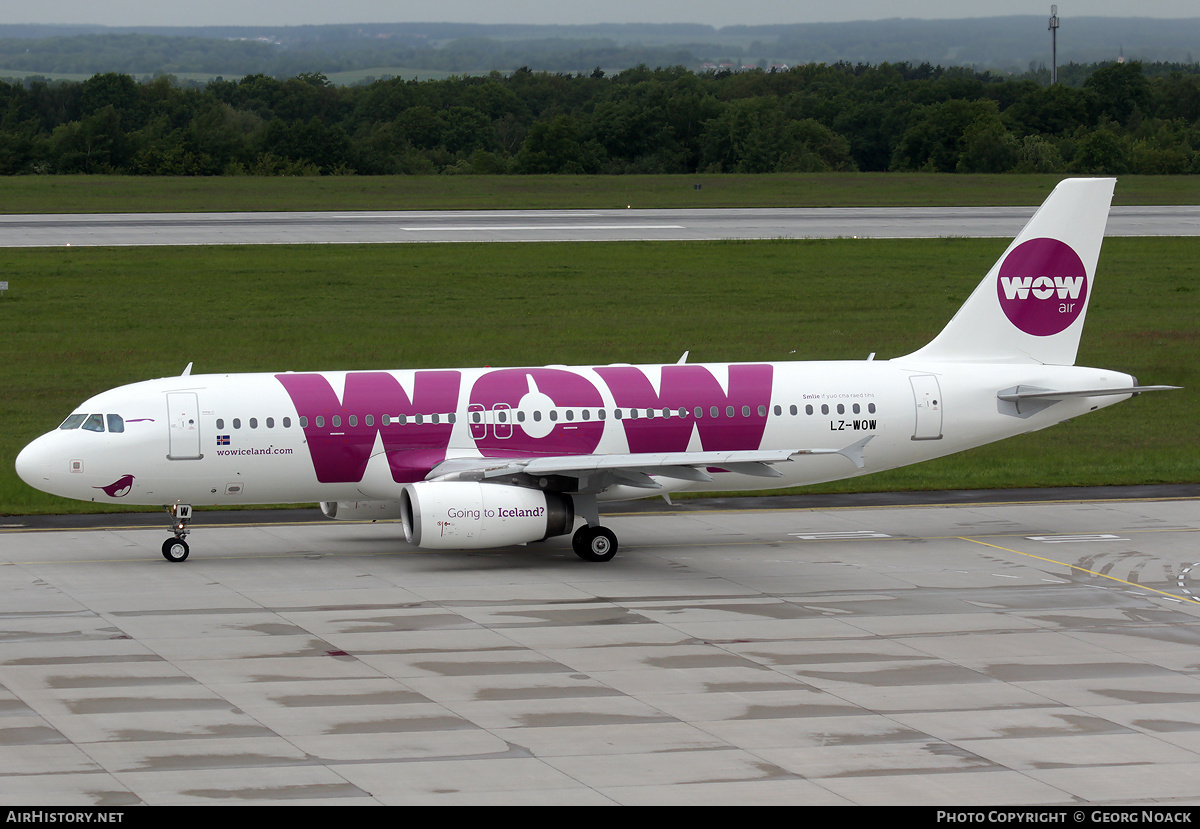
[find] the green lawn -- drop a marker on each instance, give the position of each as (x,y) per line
(131,194)
(81,320)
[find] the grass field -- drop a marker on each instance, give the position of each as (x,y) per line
(81,320)
(132,194)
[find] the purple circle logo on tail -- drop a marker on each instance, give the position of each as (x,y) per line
(1042,286)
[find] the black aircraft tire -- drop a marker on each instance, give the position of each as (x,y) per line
(175,550)
(594,543)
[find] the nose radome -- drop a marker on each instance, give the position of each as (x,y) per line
(33,464)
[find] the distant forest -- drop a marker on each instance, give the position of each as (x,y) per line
(1121,118)
(950,95)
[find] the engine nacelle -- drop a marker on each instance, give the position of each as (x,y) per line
(361,510)
(468,515)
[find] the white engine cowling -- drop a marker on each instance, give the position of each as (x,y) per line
(468,515)
(361,510)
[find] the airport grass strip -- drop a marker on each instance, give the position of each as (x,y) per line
(188,194)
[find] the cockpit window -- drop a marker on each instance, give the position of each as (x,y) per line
(116,423)
(73,421)
(94,423)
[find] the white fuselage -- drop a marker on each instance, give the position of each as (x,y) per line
(339,436)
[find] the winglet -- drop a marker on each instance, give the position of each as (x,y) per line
(855,451)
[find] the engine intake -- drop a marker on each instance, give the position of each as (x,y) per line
(468,515)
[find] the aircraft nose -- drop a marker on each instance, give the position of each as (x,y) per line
(33,464)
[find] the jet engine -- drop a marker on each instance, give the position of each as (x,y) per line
(468,515)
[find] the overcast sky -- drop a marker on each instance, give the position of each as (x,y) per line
(711,12)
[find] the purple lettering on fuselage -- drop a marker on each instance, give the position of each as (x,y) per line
(558,397)
(724,421)
(522,412)
(413,442)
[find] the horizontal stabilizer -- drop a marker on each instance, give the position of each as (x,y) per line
(1029,400)
(1016,395)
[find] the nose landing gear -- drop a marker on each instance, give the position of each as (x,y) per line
(176,549)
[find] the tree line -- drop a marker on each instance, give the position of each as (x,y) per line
(1120,118)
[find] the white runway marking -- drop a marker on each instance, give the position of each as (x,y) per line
(461,228)
(1071,539)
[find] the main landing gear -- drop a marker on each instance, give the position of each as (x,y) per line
(594,543)
(176,549)
(591,542)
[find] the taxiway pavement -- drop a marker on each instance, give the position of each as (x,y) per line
(973,652)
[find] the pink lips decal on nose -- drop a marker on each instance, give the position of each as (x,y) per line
(118,488)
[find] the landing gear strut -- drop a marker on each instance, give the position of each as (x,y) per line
(176,549)
(591,542)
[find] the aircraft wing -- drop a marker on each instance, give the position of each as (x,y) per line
(597,472)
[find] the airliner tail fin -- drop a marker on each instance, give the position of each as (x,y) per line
(1031,305)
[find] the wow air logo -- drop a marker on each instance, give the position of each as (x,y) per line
(1042,286)
(658,416)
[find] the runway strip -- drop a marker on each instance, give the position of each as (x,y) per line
(966,653)
(121,229)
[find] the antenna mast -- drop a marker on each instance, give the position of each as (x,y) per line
(1054,44)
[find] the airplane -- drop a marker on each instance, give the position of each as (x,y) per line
(477,458)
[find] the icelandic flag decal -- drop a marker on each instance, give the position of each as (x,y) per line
(222,440)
